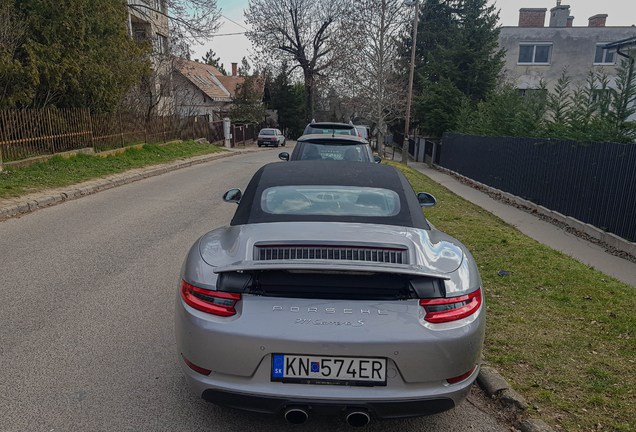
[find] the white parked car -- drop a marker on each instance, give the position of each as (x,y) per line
(267,137)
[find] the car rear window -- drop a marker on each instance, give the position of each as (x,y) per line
(331,130)
(351,153)
(267,132)
(330,200)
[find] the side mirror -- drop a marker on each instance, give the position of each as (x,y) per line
(377,159)
(426,199)
(233,196)
(283,156)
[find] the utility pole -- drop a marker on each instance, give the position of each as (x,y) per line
(405,144)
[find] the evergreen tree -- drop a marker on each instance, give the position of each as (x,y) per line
(81,51)
(457,56)
(209,58)
(247,102)
(289,102)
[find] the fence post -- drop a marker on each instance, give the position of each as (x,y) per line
(433,155)
(90,129)
(121,130)
(227,135)
(163,126)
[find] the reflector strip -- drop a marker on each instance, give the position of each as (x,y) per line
(461,377)
(195,367)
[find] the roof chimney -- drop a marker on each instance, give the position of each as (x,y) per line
(234,74)
(597,20)
(559,15)
(570,21)
(196,60)
(529,17)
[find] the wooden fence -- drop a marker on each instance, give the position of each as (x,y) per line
(28,133)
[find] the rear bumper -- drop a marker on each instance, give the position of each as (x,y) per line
(267,142)
(381,409)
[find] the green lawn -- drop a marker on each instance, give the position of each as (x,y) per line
(63,172)
(560,332)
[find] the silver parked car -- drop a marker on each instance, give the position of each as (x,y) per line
(274,137)
(330,291)
(331,148)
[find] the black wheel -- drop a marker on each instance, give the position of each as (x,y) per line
(260,145)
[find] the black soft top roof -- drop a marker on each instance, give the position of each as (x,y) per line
(307,173)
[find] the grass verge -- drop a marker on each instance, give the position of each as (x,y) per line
(59,171)
(561,332)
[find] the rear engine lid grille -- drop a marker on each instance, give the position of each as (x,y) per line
(330,253)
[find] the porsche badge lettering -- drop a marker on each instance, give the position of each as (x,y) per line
(296,309)
(358,323)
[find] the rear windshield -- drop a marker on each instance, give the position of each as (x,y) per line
(330,200)
(267,132)
(351,153)
(332,130)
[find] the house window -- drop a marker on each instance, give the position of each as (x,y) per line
(603,57)
(536,53)
(162,44)
(140,35)
(533,92)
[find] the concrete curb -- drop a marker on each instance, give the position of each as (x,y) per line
(112,181)
(608,238)
(498,388)
(535,425)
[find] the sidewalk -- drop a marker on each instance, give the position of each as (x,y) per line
(543,232)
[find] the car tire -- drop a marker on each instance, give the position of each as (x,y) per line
(260,145)
(276,145)
(283,144)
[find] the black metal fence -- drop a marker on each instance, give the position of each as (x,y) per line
(592,182)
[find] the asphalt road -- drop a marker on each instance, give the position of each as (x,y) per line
(86,312)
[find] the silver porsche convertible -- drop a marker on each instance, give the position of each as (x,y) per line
(330,291)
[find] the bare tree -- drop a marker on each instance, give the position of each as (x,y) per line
(371,71)
(301,31)
(195,20)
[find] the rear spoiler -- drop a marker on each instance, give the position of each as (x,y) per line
(405,269)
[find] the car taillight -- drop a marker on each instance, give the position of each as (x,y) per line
(212,302)
(440,310)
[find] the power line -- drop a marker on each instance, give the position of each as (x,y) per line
(228,34)
(235,22)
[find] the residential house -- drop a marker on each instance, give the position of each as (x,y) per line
(536,52)
(148,21)
(200,89)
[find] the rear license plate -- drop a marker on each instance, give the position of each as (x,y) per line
(329,370)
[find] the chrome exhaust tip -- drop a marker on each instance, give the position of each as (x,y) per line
(296,414)
(357,417)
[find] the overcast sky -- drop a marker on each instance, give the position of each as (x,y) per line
(234,48)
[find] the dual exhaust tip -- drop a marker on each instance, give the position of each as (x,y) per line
(355,417)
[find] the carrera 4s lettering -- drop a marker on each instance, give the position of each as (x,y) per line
(358,323)
(296,309)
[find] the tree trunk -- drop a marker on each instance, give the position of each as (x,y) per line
(309,92)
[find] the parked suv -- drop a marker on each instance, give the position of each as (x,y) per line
(331,148)
(267,137)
